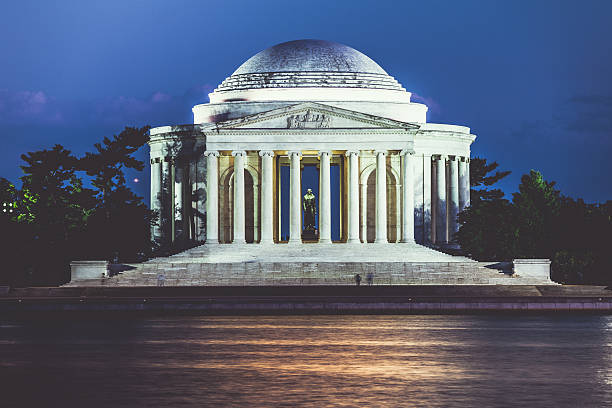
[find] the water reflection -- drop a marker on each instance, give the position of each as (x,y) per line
(433,361)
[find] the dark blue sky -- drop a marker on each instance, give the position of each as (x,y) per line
(531,78)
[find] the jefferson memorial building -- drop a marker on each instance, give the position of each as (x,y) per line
(383,173)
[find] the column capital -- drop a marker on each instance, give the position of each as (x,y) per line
(211,153)
(238,153)
(291,153)
(351,152)
(407,151)
(453,158)
(263,153)
(322,152)
(377,152)
(464,159)
(439,157)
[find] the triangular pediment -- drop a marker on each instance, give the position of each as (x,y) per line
(311,115)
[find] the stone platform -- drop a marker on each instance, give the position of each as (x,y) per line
(94,302)
(312,264)
(312,252)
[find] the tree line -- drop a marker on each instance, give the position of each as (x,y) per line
(539,222)
(73,208)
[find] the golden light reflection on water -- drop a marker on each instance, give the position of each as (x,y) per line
(300,343)
(605,373)
(320,361)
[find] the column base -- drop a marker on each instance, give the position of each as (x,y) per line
(239,241)
(354,241)
(325,241)
(408,241)
(381,241)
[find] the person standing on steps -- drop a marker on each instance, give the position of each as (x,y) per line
(370,278)
(357,279)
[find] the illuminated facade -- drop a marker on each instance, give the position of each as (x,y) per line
(309,103)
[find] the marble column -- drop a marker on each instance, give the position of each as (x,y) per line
(364,212)
(199,203)
(407,196)
(212,196)
(178,199)
(381,197)
(440,199)
(453,199)
(156,186)
(468,186)
(239,199)
(324,198)
(427,185)
(295,199)
(464,183)
(166,209)
(353,197)
(186,199)
(267,198)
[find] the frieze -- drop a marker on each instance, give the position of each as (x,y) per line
(309,120)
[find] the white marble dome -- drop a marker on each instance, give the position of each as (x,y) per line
(309,71)
(309,63)
(309,56)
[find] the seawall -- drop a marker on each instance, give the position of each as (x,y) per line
(441,299)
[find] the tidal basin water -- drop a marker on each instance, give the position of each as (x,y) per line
(318,361)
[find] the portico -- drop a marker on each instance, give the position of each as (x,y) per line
(377,168)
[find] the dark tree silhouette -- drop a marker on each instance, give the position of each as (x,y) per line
(55,219)
(481,180)
(119,227)
(486,231)
(55,206)
(537,205)
(539,223)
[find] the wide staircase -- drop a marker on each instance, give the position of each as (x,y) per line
(311,264)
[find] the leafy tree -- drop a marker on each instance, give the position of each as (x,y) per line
(12,250)
(120,223)
(538,223)
(55,207)
(486,231)
(537,205)
(9,199)
(58,219)
(106,166)
(581,248)
(481,180)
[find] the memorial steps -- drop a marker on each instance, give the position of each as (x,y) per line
(312,264)
(314,252)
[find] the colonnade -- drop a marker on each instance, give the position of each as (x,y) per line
(177,195)
(451,184)
(449,194)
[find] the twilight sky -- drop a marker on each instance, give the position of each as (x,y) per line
(531,78)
